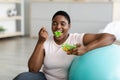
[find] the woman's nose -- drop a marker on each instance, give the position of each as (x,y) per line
(58,26)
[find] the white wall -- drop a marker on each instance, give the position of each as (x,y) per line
(27,14)
(27,17)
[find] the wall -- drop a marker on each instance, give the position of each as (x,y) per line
(27,14)
(27,17)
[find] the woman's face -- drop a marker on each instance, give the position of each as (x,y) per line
(60,23)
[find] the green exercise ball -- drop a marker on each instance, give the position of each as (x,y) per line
(98,64)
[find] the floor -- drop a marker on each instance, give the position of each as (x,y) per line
(14,55)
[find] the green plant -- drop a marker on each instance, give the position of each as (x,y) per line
(2,29)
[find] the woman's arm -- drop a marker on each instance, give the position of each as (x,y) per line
(37,58)
(93,41)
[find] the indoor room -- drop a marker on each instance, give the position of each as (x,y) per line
(22,20)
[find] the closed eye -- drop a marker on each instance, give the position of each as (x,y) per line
(63,24)
(54,24)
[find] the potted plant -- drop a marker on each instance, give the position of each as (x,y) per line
(2,29)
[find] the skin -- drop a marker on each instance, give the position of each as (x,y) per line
(60,23)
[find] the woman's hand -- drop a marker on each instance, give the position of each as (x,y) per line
(43,34)
(79,50)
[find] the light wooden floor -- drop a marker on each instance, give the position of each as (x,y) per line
(14,55)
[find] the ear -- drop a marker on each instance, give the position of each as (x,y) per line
(69,26)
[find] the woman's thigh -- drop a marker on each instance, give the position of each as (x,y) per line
(30,76)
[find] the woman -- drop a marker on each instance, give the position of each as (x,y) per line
(49,53)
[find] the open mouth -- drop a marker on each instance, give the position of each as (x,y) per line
(58,33)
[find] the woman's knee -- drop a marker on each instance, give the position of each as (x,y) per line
(30,76)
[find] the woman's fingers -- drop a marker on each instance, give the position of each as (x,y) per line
(75,51)
(43,29)
(78,45)
(43,34)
